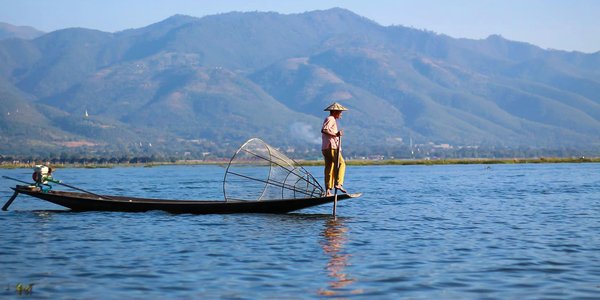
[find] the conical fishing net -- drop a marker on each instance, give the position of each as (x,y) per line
(257,171)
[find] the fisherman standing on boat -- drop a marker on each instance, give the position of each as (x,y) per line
(331,146)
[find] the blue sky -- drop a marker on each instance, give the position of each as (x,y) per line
(557,24)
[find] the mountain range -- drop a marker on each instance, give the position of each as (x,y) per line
(204,85)
(8,31)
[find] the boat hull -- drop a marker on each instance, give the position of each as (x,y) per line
(87,202)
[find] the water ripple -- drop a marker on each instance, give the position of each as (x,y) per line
(447,232)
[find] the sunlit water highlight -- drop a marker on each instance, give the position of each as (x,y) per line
(419,232)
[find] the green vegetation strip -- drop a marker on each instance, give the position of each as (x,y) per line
(402,162)
(462,161)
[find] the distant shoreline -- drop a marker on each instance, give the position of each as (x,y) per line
(396,162)
(461,161)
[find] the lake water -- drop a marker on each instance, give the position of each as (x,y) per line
(419,232)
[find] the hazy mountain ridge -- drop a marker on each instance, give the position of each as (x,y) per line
(204,83)
(8,31)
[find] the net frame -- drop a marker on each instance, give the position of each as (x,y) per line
(286,179)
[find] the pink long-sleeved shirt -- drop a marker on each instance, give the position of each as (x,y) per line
(329,137)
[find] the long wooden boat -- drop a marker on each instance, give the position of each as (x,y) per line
(93,202)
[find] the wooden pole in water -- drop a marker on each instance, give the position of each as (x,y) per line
(10,201)
(337,175)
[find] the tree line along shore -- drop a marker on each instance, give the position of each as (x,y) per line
(361,162)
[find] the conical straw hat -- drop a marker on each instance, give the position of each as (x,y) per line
(335,106)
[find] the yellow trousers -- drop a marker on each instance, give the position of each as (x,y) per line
(330,156)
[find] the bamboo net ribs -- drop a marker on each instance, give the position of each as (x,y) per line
(258,171)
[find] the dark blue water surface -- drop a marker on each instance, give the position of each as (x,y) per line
(419,232)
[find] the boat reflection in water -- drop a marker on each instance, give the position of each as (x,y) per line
(334,238)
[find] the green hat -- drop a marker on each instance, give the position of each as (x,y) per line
(335,106)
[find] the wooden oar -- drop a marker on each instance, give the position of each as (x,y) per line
(63,184)
(82,190)
(337,175)
(10,201)
(12,198)
(21,181)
